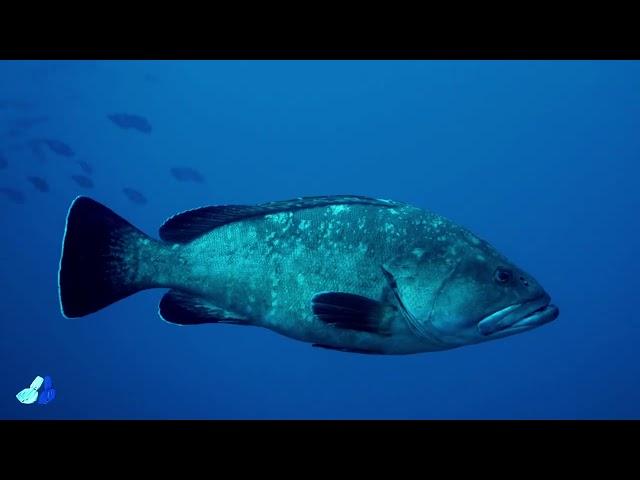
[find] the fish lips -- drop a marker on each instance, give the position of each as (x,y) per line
(519,317)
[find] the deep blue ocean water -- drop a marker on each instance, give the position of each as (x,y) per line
(539,158)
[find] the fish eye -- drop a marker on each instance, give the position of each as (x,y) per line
(502,275)
(524,281)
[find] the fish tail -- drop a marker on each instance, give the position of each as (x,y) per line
(101,258)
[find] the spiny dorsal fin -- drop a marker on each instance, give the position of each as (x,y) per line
(187,226)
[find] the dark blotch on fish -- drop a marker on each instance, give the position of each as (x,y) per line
(39,183)
(127,120)
(16,196)
(186,174)
(83,181)
(135,196)
(57,147)
(3,162)
(86,167)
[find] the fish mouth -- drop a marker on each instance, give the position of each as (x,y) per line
(519,317)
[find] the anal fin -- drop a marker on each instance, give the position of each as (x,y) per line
(182,308)
(347,349)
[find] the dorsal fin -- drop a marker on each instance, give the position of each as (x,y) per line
(187,226)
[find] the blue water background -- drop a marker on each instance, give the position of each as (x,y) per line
(539,158)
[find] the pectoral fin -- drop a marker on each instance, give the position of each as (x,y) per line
(351,312)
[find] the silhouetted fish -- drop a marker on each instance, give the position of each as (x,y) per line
(135,196)
(26,123)
(3,162)
(58,147)
(126,121)
(39,183)
(151,78)
(186,174)
(16,196)
(83,181)
(37,150)
(14,105)
(86,167)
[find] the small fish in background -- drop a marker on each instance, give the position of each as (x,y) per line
(16,196)
(39,183)
(86,167)
(48,393)
(151,78)
(83,181)
(58,147)
(25,123)
(12,133)
(186,174)
(14,105)
(127,121)
(37,150)
(135,196)
(30,395)
(3,162)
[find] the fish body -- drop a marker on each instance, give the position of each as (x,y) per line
(16,196)
(39,183)
(83,181)
(129,121)
(347,273)
(187,174)
(134,196)
(58,147)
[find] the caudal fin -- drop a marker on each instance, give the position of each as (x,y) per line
(95,266)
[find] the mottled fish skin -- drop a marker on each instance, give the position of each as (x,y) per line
(268,268)
(275,264)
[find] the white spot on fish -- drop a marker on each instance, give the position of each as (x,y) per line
(280,218)
(304,224)
(418,252)
(336,209)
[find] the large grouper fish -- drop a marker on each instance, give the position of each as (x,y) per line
(348,273)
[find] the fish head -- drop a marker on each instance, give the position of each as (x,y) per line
(484,296)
